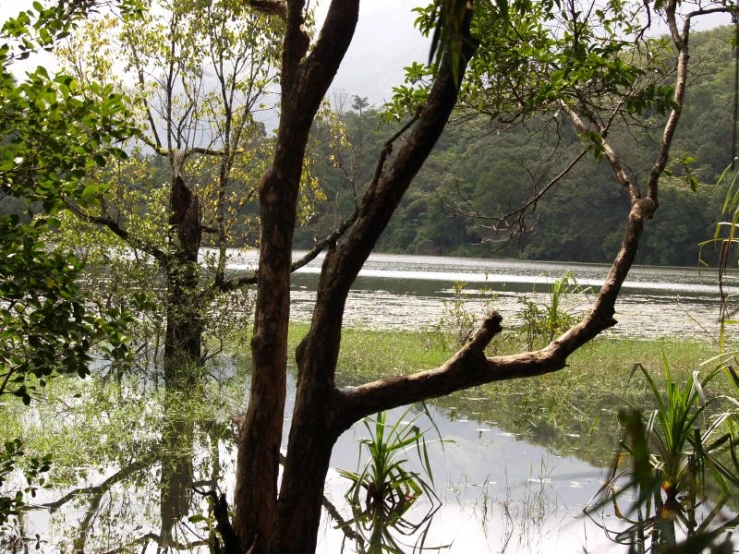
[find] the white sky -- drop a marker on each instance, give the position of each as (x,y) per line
(384,43)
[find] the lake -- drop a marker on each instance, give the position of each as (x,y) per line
(408,292)
(504,486)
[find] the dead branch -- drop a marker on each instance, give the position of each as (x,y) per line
(312,254)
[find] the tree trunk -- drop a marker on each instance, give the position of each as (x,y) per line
(264,523)
(305,79)
(183,339)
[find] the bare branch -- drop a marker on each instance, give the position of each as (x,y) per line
(312,254)
(223,520)
(618,170)
(501,223)
(469,367)
(117,477)
(387,148)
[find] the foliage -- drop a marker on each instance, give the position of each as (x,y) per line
(384,491)
(458,322)
(681,463)
(13,457)
(53,131)
(457,200)
(725,239)
(548,320)
(198,137)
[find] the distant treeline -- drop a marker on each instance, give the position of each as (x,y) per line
(481,170)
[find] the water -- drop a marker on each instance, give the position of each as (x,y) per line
(408,292)
(497,489)
(500,489)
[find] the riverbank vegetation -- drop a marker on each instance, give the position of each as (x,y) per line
(462,193)
(566,411)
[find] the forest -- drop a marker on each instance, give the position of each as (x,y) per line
(457,200)
(454,204)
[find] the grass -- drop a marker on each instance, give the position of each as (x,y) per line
(604,364)
(572,411)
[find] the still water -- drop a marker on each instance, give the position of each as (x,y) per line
(408,292)
(500,489)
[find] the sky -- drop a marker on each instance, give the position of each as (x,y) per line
(384,43)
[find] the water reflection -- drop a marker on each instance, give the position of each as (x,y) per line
(499,489)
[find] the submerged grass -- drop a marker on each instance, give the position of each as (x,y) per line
(605,363)
(572,411)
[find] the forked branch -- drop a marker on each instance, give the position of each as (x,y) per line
(470,367)
(312,254)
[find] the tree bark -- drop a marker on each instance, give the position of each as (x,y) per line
(316,417)
(304,80)
(184,331)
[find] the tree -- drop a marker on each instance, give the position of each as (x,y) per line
(197,72)
(53,132)
(267,523)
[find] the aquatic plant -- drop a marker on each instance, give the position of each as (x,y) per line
(458,321)
(679,461)
(545,321)
(383,492)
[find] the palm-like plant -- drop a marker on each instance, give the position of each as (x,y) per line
(382,493)
(677,458)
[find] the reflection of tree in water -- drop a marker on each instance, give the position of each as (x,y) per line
(148,500)
(171,455)
(176,460)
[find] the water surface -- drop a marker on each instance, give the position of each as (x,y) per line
(408,292)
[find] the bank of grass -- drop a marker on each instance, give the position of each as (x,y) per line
(605,362)
(573,411)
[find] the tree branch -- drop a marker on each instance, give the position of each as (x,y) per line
(223,521)
(116,229)
(270,7)
(323,61)
(319,349)
(618,170)
(469,367)
(312,254)
(117,477)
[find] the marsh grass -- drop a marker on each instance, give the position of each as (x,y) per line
(582,399)
(573,411)
(383,490)
(678,461)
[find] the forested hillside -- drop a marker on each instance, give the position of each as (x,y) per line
(481,170)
